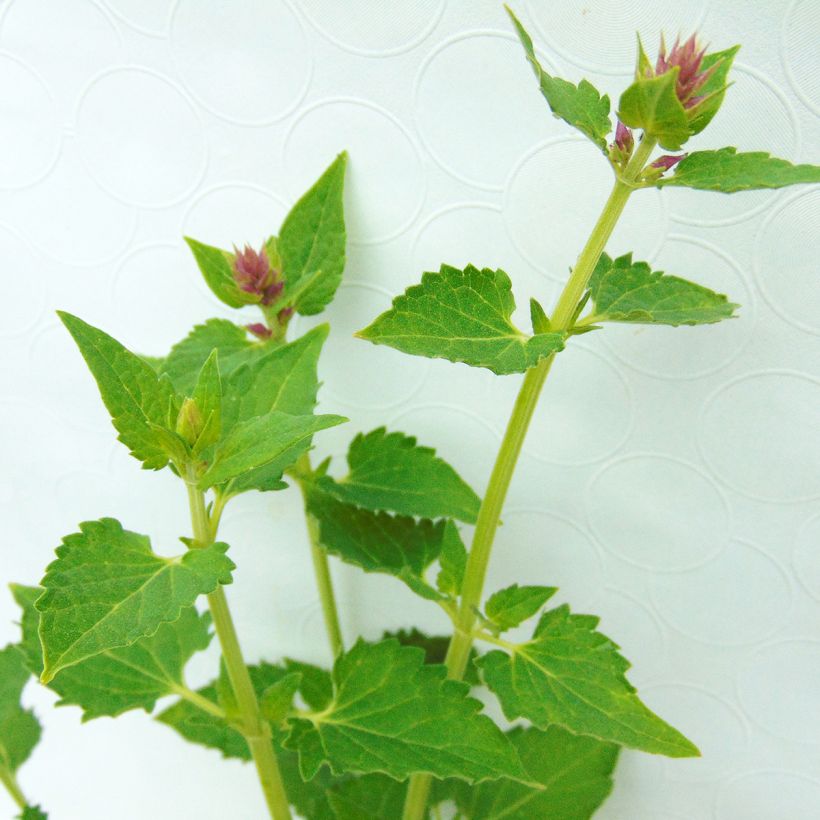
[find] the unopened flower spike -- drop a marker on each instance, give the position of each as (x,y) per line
(262,332)
(254,274)
(621,150)
(688,58)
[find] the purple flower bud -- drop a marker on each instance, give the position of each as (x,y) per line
(624,140)
(284,315)
(253,274)
(666,162)
(688,57)
(260,331)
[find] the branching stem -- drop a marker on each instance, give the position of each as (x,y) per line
(255,730)
(415,806)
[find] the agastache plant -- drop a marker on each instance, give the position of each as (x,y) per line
(390,730)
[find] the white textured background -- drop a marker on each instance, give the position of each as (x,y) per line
(670,482)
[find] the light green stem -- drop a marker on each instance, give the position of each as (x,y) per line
(254,729)
(8,779)
(490,513)
(321,566)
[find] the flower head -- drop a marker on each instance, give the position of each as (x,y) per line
(688,57)
(254,274)
(624,140)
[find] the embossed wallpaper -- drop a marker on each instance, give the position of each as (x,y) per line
(671,478)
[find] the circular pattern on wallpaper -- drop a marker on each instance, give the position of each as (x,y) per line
(29,129)
(140,138)
(786,470)
(480,139)
(657,512)
(753,589)
(755,116)
(601,36)
(68,43)
(385,181)
(379,380)
(714,724)
(554,550)
(26,289)
(392,28)
(768,795)
(798,49)
(778,689)
(149,17)
(785,260)
(552,200)
(689,352)
(249,63)
(806,556)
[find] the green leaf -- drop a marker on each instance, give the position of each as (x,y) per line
(19,728)
(283,378)
(277,700)
(580,106)
(216,267)
(316,685)
(186,358)
(117,680)
(576,773)
(453,560)
(627,291)
(378,542)
(392,713)
(463,316)
(713,90)
(435,649)
(200,417)
(108,589)
(573,676)
(374,796)
(510,607)
(32,813)
(312,243)
(651,104)
(389,471)
(260,441)
(135,396)
(727,172)
(206,729)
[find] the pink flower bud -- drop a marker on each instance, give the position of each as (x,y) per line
(253,274)
(260,331)
(624,140)
(666,162)
(284,315)
(688,57)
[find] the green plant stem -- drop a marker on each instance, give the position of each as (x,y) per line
(490,513)
(321,566)
(8,779)
(254,729)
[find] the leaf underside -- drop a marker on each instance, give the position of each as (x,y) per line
(391,472)
(727,171)
(572,676)
(627,291)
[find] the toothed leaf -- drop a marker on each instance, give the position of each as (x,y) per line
(392,713)
(572,676)
(463,316)
(390,471)
(107,589)
(652,105)
(727,171)
(627,291)
(510,607)
(135,396)
(580,106)
(19,728)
